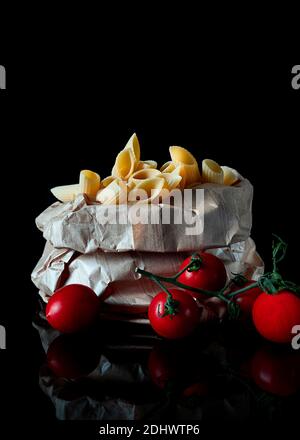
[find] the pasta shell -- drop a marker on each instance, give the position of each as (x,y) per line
(89,183)
(211,172)
(147,190)
(140,175)
(66,193)
(125,165)
(134,146)
(190,174)
(182,155)
(113,193)
(188,166)
(145,164)
(172,180)
(230,176)
(105,182)
(168,167)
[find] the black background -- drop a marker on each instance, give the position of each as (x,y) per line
(74,107)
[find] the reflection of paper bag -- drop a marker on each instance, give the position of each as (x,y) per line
(225,212)
(112,276)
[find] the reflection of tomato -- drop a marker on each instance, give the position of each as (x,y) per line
(275,315)
(211,274)
(246,299)
(71,357)
(276,371)
(177,326)
(72,308)
(164,365)
(177,366)
(199,389)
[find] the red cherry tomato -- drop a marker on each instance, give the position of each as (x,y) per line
(72,308)
(246,299)
(177,326)
(210,276)
(276,372)
(275,315)
(70,357)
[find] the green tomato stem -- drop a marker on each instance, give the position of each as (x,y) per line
(244,289)
(177,275)
(172,280)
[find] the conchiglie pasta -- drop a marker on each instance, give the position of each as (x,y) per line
(124,165)
(134,146)
(188,166)
(172,180)
(146,190)
(230,176)
(211,172)
(112,194)
(182,155)
(89,183)
(145,164)
(105,182)
(130,176)
(66,193)
(140,175)
(168,167)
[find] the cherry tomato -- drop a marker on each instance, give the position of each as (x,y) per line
(246,299)
(71,357)
(72,308)
(177,326)
(275,371)
(275,315)
(210,276)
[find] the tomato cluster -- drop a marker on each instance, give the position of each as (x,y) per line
(174,313)
(210,275)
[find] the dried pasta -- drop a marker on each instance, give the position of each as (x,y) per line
(105,182)
(124,165)
(65,193)
(188,166)
(112,194)
(145,164)
(172,180)
(230,176)
(147,190)
(168,167)
(211,172)
(134,146)
(89,183)
(140,175)
(132,177)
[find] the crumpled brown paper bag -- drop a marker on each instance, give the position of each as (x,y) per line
(112,275)
(225,212)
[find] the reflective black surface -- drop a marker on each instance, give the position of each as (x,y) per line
(117,371)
